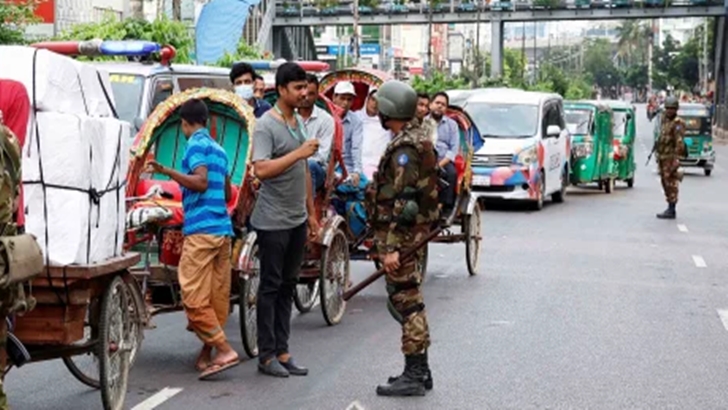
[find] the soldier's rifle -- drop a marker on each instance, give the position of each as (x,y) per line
(649,157)
(405,257)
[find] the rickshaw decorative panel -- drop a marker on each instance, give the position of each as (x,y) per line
(363,80)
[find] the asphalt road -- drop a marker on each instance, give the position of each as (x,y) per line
(593,303)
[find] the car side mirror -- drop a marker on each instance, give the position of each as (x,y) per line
(553,131)
(138,123)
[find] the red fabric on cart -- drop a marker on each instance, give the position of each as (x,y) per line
(15,106)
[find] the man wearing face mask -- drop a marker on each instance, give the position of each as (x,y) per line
(448,139)
(402,202)
(344,95)
(242,76)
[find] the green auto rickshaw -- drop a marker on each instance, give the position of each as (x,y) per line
(590,126)
(624,133)
(698,136)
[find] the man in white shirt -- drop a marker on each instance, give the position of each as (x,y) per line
(344,95)
(376,137)
(320,125)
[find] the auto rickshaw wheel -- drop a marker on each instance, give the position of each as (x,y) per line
(305,296)
(707,172)
(334,278)
(609,186)
(630,182)
(247,302)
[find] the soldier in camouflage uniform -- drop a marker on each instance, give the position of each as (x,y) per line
(402,203)
(670,148)
(9,190)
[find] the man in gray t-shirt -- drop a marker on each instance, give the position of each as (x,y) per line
(282,210)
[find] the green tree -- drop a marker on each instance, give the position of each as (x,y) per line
(436,83)
(598,64)
(14,17)
(244,51)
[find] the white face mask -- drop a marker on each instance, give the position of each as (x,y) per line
(244,91)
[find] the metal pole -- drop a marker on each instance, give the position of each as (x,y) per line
(535,68)
(478,62)
(429,38)
(523,53)
(356,33)
(705,57)
(650,44)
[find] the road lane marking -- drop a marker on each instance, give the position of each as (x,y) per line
(699,261)
(157,399)
(723,314)
(355,405)
(682,228)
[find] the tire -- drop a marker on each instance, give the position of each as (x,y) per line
(334,278)
(305,296)
(247,300)
(630,182)
(473,240)
(707,172)
(137,311)
(538,205)
(113,344)
(609,186)
(558,197)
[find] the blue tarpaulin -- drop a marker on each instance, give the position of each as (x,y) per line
(220,27)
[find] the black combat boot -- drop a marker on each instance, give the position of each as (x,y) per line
(428,375)
(669,213)
(411,382)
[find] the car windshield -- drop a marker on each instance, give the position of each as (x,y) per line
(497,120)
(578,122)
(697,125)
(128,91)
(619,123)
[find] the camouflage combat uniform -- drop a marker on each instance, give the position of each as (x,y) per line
(670,148)
(9,191)
(406,207)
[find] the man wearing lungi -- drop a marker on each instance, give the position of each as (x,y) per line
(204,268)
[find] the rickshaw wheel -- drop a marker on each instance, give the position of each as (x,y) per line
(305,296)
(247,305)
(334,278)
(136,331)
(707,172)
(609,186)
(114,344)
(86,373)
(471,229)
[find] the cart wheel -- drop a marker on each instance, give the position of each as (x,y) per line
(247,305)
(334,278)
(137,310)
(85,367)
(305,296)
(471,229)
(114,344)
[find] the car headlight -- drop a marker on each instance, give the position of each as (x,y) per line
(527,156)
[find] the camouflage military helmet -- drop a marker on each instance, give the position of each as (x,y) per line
(397,100)
(672,102)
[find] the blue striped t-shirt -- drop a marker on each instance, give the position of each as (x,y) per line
(206,212)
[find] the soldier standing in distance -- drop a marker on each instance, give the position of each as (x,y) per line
(402,203)
(670,148)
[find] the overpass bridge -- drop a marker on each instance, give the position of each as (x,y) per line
(290,37)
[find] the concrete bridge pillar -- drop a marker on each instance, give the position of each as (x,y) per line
(496,48)
(720,59)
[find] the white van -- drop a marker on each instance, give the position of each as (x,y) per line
(525,154)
